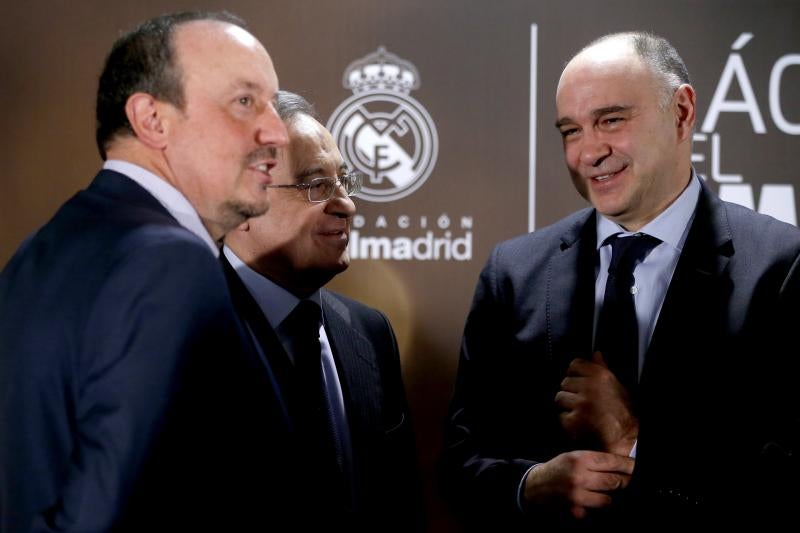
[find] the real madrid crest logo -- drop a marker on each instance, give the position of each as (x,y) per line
(381,130)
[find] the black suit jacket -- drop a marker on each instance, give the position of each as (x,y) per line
(719,410)
(386,485)
(128,399)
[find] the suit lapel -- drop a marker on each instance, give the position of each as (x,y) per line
(356,363)
(570,292)
(273,358)
(684,354)
(699,285)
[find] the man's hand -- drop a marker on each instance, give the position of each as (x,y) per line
(596,406)
(579,479)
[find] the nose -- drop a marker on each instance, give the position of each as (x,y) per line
(271,129)
(594,149)
(340,205)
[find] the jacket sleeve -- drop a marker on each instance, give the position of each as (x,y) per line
(158,307)
(481,470)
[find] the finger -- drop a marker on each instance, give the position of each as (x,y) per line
(579,367)
(578,512)
(590,498)
(609,462)
(598,359)
(567,400)
(607,482)
(571,384)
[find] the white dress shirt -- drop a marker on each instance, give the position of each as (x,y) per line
(171,198)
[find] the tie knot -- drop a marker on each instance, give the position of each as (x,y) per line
(304,319)
(627,252)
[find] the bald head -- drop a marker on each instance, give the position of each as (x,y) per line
(626,122)
(653,51)
(144,60)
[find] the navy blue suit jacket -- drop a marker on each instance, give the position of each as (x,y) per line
(386,490)
(127,386)
(719,435)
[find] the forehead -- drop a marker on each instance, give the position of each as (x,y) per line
(312,146)
(221,53)
(603,76)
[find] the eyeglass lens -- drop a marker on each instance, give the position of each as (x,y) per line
(323,188)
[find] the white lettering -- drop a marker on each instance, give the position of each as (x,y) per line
(775,94)
(424,248)
(734,68)
(716,175)
(401,250)
(778,201)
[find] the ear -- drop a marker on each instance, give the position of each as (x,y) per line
(244,226)
(146,116)
(685,111)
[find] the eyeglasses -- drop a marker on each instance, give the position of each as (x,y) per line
(322,189)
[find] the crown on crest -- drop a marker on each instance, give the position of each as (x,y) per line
(381,70)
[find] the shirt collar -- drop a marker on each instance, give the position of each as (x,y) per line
(275,302)
(171,198)
(670,226)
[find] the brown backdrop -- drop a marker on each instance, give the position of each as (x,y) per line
(474,60)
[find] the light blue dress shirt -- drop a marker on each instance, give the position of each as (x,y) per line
(653,275)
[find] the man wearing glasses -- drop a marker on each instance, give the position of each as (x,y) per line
(344,451)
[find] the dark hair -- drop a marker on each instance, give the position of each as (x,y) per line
(659,54)
(289,104)
(143,60)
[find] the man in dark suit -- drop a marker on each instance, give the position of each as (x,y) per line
(112,314)
(546,431)
(345,442)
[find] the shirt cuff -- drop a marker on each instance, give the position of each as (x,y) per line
(521,487)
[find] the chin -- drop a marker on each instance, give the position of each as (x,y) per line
(247,210)
(341,266)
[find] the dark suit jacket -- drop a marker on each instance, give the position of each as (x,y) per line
(386,484)
(719,410)
(127,391)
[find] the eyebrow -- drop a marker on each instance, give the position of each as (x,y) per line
(309,172)
(245,84)
(597,113)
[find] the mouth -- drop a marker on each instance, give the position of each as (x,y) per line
(264,169)
(605,177)
(336,235)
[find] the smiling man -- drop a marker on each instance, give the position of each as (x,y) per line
(344,450)
(115,317)
(631,367)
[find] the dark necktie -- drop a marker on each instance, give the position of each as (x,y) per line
(313,416)
(617,335)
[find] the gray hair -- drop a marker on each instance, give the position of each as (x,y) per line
(289,105)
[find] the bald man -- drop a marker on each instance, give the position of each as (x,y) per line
(627,367)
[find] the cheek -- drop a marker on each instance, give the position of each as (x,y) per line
(572,156)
